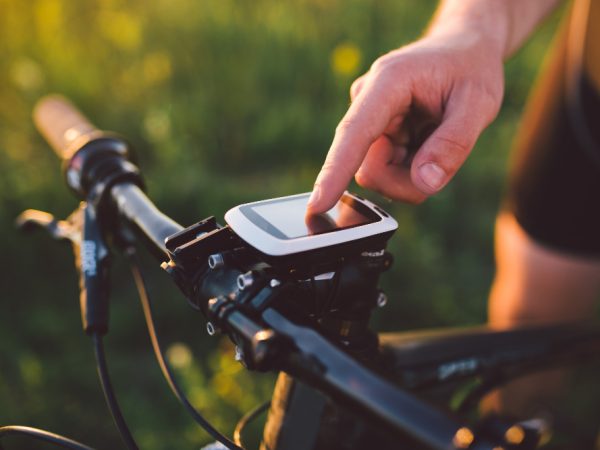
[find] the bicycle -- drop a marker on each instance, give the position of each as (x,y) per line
(304,317)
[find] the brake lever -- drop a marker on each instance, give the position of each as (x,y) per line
(60,230)
(92,258)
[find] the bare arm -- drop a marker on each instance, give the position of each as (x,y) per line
(508,21)
(418,111)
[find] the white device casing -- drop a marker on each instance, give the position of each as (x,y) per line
(274,246)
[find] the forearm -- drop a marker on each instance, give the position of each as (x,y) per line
(505,24)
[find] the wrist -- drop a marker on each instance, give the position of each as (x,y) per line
(484,23)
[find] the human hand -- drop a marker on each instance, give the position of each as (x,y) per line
(414,118)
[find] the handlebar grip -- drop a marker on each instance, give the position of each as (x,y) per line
(61,124)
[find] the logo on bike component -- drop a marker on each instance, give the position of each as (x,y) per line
(88,258)
(459,367)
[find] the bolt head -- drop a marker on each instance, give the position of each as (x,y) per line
(239,355)
(381,300)
(216,261)
(245,280)
(210,329)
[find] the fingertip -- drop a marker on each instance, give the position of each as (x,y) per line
(321,200)
(313,200)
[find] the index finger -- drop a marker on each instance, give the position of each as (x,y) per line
(365,120)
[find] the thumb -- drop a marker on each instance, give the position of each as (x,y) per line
(445,151)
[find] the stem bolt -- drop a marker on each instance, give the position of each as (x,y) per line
(216,261)
(210,329)
(239,355)
(245,280)
(381,300)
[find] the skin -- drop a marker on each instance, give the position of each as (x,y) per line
(536,285)
(417,113)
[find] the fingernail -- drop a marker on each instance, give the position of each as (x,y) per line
(432,175)
(314,197)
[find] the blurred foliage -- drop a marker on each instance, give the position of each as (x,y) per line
(226,101)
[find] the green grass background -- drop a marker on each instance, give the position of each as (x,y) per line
(226,101)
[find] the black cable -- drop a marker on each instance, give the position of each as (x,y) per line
(109,394)
(246,419)
(160,357)
(42,435)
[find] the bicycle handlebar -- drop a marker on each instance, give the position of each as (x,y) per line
(135,206)
(104,176)
(61,124)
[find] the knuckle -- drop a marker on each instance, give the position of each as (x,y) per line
(385,64)
(363,179)
(453,145)
(351,126)
(378,65)
(345,125)
(450,152)
(355,88)
(394,61)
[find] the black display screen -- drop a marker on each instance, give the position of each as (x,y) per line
(286,218)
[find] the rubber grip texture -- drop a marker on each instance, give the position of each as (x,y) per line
(60,123)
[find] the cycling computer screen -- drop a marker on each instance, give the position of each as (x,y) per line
(281,226)
(286,218)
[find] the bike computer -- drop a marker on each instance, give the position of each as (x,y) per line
(280,227)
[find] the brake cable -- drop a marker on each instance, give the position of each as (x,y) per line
(250,416)
(165,368)
(109,394)
(42,435)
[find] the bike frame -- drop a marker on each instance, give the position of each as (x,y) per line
(422,362)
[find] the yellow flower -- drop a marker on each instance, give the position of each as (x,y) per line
(157,125)
(345,59)
(157,67)
(122,28)
(49,16)
(179,355)
(27,74)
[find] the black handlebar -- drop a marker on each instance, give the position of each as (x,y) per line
(99,170)
(134,205)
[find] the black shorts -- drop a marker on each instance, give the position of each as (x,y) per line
(554,186)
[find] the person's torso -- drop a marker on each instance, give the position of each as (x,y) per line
(592,44)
